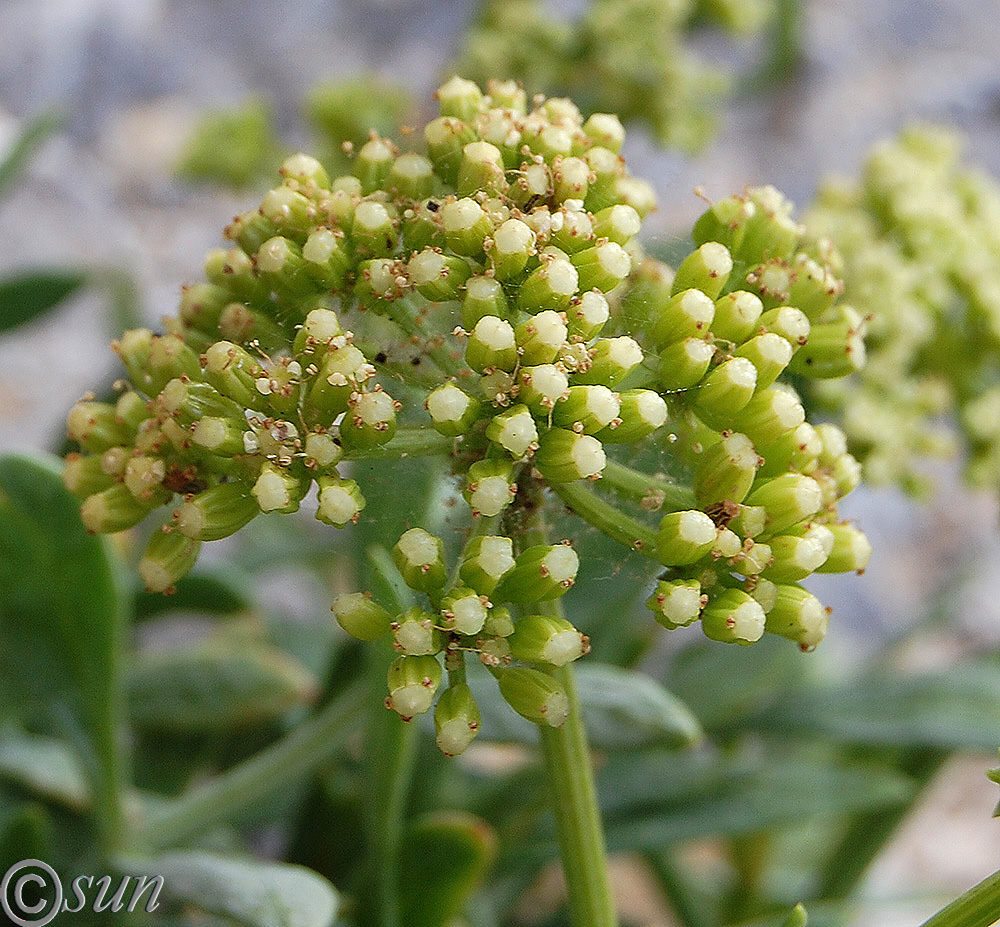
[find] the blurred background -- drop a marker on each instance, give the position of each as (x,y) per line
(131,80)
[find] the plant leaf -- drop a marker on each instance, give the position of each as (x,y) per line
(250,892)
(31,138)
(25,296)
(61,619)
(445,856)
(206,590)
(46,766)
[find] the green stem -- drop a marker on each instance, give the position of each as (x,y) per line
(978,907)
(691,911)
(642,487)
(578,819)
(607,518)
(253,780)
(406,442)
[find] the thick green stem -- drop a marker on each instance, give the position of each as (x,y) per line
(578,819)
(643,487)
(241,787)
(978,907)
(406,442)
(605,517)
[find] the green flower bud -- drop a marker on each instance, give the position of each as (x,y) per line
(542,386)
(240,323)
(846,475)
(794,558)
(540,338)
(114,461)
(570,178)
(687,314)
(725,221)
(733,617)
(797,450)
(217,512)
(500,127)
(361,616)
(452,411)
(345,194)
(513,244)
(113,509)
(736,316)
(491,345)
(788,322)
(277,490)
(190,401)
(835,349)
(460,98)
(565,456)
(490,487)
(131,410)
(571,229)
(587,409)
(799,616)
(602,267)
(550,286)
(422,226)
(96,426)
(684,363)
(610,361)
(532,183)
(514,430)
(770,353)
(480,167)
(749,521)
(144,478)
(765,593)
(305,172)
(540,573)
(770,414)
(369,421)
(788,499)
(415,634)
(546,639)
(684,537)
(233,372)
(419,557)
(534,695)
(437,277)
(412,682)
(456,720)
(618,223)
(813,287)
(168,557)
(483,296)
(466,226)
(546,139)
(851,550)
(250,230)
(754,558)
(725,392)
(343,371)
(676,603)
(833,444)
(326,259)
(587,315)
(373,164)
(374,232)
(412,176)
(321,451)
(222,436)
(464,610)
(446,137)
(707,269)
(83,475)
(726,470)
(289,211)
(201,305)
(499,623)
(605,130)
(727,545)
(640,413)
(339,501)
(485,561)
(607,168)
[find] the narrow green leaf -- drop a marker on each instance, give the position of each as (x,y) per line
(45,766)
(250,892)
(26,833)
(217,686)
(626,709)
(28,142)
(61,619)
(206,590)
(27,295)
(444,858)
(958,709)
(797,917)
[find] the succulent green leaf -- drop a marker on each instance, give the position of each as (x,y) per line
(45,766)
(26,295)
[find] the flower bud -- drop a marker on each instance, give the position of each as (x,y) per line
(834,444)
(788,322)
(190,401)
(343,371)
(437,277)
(541,387)
(325,258)
(687,314)
(233,372)
(250,230)
(373,164)
(587,315)
(749,521)
(113,509)
(534,695)
(799,616)
(491,344)
(466,226)
(369,421)
(788,499)
(486,560)
(446,137)
(361,616)
(546,639)
(706,269)
(167,558)
(490,487)
(412,176)
(605,130)
(736,316)
(617,223)
(725,392)
(339,501)
(412,682)
(84,475)
(288,210)
(570,179)
(611,360)
(797,450)
(676,603)
(753,558)
(835,349)
(422,226)
(217,512)
(850,552)
(551,285)
(725,221)
(770,353)
(607,168)
(587,409)
(414,633)
(564,456)
(480,167)
(540,573)
(571,229)
(456,719)
(419,557)
(464,610)
(483,296)
(770,414)
(684,363)
(201,305)
(144,478)
(726,470)
(602,267)
(641,412)
(684,537)
(540,338)
(277,490)
(514,430)
(460,98)
(794,558)
(813,287)
(452,411)
(513,244)
(733,617)
(96,426)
